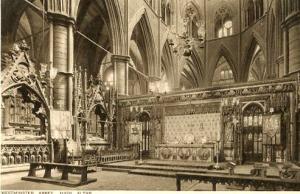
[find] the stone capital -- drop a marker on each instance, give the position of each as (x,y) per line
(60,19)
(63,11)
(291,20)
(120,58)
(154,78)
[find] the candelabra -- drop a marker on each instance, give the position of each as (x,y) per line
(110,96)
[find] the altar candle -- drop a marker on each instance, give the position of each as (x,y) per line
(218,136)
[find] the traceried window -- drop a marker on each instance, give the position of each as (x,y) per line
(166,12)
(223,22)
(225,29)
(193,22)
(253,11)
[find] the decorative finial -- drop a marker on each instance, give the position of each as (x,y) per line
(24,46)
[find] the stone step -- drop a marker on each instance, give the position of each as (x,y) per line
(179,164)
(112,161)
(116,169)
(153,173)
(154,168)
(235,188)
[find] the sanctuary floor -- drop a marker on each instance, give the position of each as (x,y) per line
(117,180)
(107,180)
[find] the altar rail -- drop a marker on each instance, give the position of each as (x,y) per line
(115,156)
(23,152)
(186,152)
(255,182)
(95,158)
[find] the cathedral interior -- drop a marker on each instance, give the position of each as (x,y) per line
(150,91)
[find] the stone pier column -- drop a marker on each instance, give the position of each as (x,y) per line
(63,50)
(298,137)
(61,17)
(285,52)
(120,63)
(291,26)
(292,133)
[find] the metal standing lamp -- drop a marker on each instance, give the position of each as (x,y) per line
(217,166)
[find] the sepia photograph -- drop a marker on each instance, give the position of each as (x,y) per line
(149,95)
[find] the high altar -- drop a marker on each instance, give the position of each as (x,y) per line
(190,137)
(252,122)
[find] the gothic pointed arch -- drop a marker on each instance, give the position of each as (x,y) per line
(19,71)
(167,10)
(194,5)
(198,66)
(224,52)
(142,24)
(109,33)
(188,74)
(223,21)
(253,10)
(136,83)
(98,117)
(223,73)
(110,15)
(20,22)
(24,88)
(192,70)
(168,63)
(116,26)
(193,19)
(168,14)
(11,12)
(255,62)
(249,12)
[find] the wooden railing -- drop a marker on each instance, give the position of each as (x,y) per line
(115,156)
(94,158)
(267,183)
